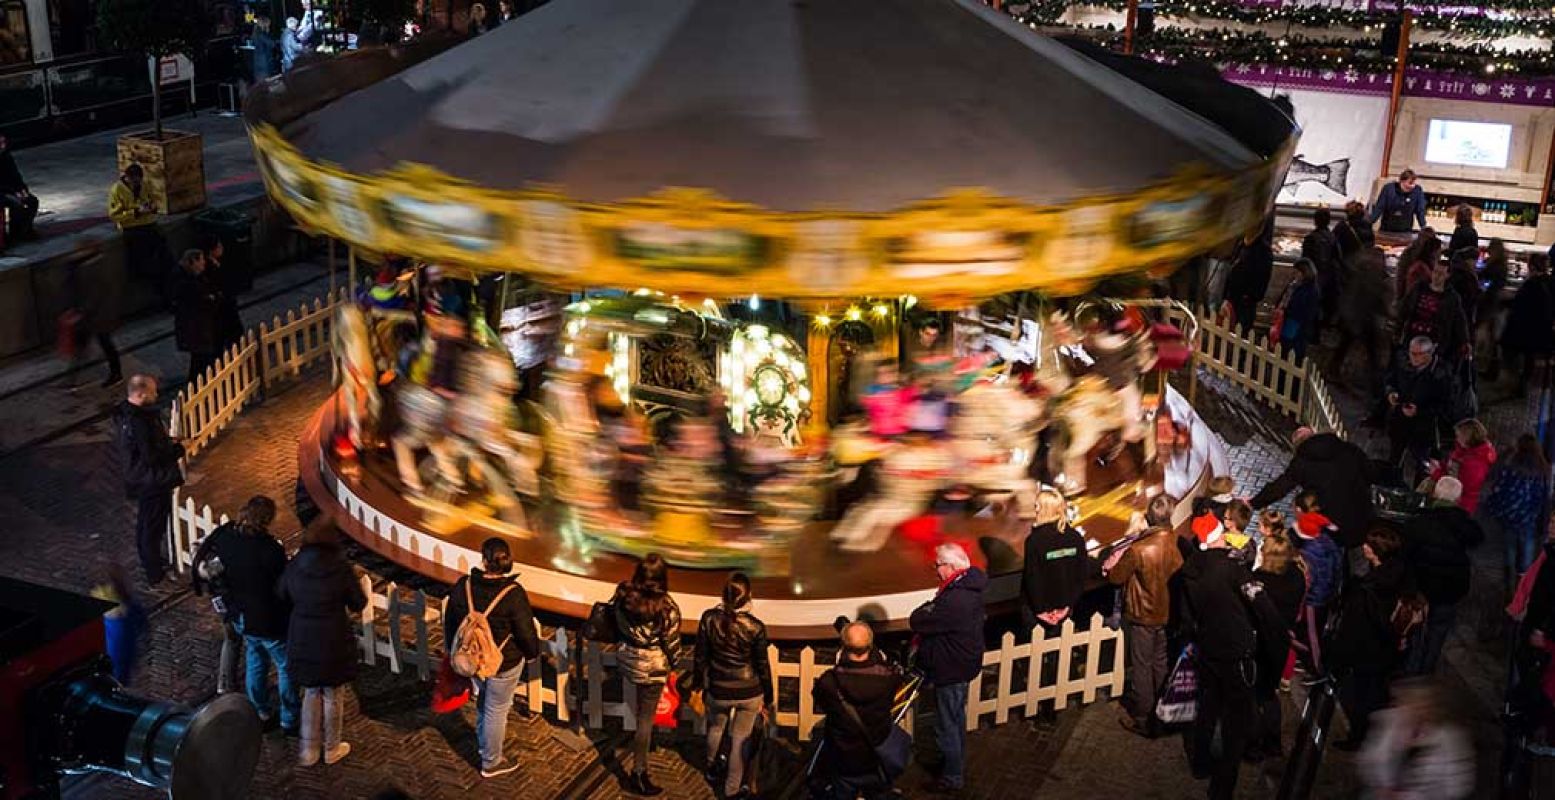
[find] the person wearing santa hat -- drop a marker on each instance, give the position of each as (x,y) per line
(1324,561)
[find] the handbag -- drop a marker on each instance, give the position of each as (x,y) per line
(891,755)
(666,715)
(601,624)
(1179,703)
(450,690)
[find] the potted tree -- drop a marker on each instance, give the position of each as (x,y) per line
(174,161)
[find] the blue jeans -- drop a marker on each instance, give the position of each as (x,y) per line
(259,653)
(950,730)
(491,715)
(1426,649)
(1522,547)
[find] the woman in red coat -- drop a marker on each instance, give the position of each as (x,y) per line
(1472,457)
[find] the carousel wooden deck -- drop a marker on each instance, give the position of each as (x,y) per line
(565,577)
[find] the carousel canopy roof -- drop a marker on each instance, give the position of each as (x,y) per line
(790,105)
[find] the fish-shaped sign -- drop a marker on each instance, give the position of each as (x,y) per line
(1334,175)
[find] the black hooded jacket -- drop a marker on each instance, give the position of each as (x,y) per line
(1436,547)
(1338,472)
(321,648)
(149,456)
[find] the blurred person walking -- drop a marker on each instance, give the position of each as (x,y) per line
(1518,501)
(1365,647)
(1436,547)
(196,309)
(1417,751)
(321,647)
(93,316)
(1530,321)
(1321,248)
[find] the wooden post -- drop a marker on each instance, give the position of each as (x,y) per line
(1398,89)
(818,365)
(1549,176)
(1128,27)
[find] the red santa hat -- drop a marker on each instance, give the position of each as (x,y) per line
(1207,528)
(1311,525)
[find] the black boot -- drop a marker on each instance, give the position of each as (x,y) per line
(640,784)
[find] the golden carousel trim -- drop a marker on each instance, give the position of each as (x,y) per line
(966,244)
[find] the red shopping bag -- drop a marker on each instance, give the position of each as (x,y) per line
(666,715)
(68,333)
(450,690)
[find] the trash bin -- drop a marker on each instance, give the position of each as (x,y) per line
(235,229)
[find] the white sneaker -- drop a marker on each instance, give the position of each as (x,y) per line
(341,751)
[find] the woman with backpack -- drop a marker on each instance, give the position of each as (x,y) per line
(321,647)
(732,670)
(490,631)
(648,622)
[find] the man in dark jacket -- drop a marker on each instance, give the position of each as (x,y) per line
(1336,471)
(1321,248)
(243,563)
(1248,280)
(149,458)
(864,680)
(494,590)
(1417,395)
(1436,548)
(196,308)
(1144,569)
(1220,596)
(19,203)
(949,630)
(1400,204)
(1363,649)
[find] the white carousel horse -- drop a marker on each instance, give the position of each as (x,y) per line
(356,372)
(1088,411)
(994,436)
(909,476)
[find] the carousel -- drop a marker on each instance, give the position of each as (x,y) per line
(800,290)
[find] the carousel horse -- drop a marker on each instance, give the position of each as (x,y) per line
(481,419)
(910,474)
(1087,412)
(423,416)
(356,372)
(994,434)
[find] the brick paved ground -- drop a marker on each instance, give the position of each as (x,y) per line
(398,743)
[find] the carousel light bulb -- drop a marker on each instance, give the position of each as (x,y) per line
(799,370)
(750,397)
(757,332)
(881,310)
(803,393)
(854,314)
(755,303)
(822,321)
(643,291)
(791,403)
(909,301)
(567,350)
(781,359)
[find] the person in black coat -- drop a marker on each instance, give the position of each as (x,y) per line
(864,680)
(150,459)
(1418,393)
(242,563)
(1436,548)
(732,669)
(494,590)
(949,629)
(1364,648)
(229,322)
(1056,567)
(20,204)
(196,311)
(1530,319)
(1464,237)
(321,646)
(1218,592)
(1248,280)
(1280,573)
(1337,471)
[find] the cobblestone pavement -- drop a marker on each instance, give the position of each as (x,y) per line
(69,524)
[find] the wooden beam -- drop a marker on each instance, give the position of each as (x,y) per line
(1398,88)
(1549,176)
(1128,27)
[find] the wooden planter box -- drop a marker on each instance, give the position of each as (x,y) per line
(174,165)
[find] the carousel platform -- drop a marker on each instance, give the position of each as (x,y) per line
(820,584)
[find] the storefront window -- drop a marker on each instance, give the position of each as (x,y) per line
(70,27)
(15,48)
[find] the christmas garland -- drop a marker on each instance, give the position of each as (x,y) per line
(1469,26)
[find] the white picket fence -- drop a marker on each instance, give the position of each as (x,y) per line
(397,627)
(277,351)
